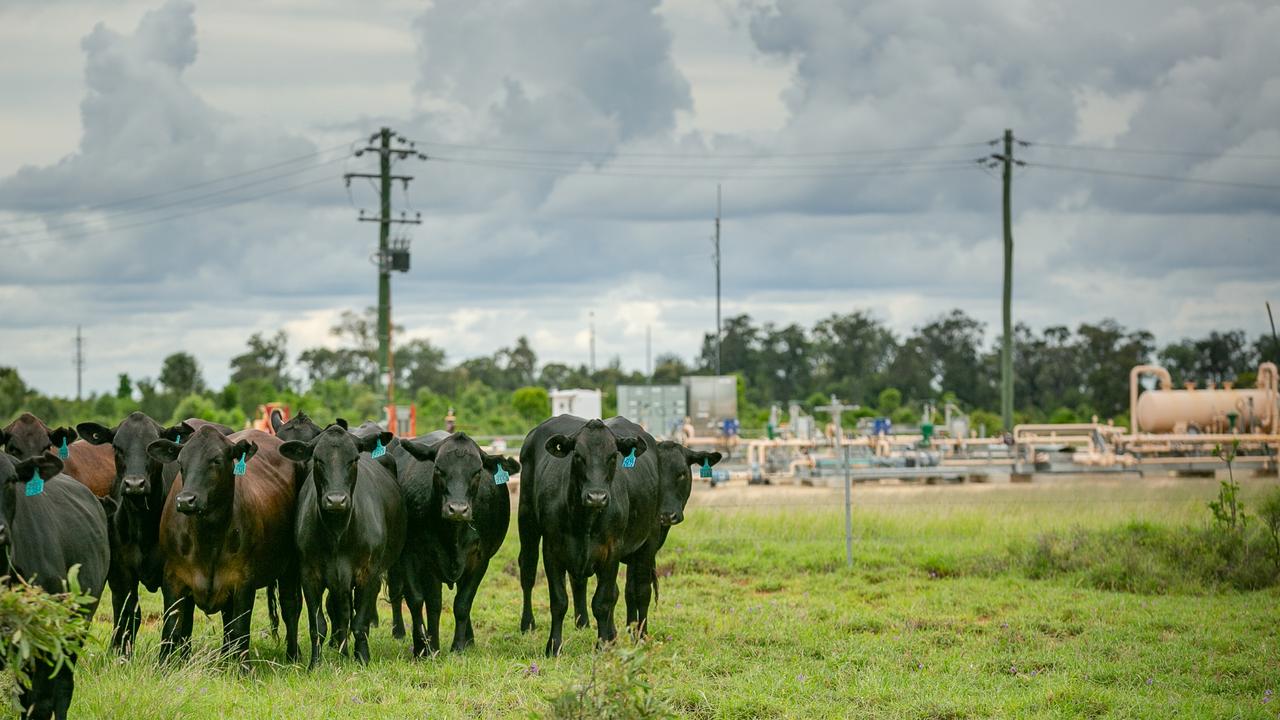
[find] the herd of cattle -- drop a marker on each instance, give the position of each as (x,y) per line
(208,516)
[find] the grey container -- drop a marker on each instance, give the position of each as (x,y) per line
(660,409)
(712,399)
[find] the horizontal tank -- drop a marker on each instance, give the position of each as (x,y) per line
(1159,411)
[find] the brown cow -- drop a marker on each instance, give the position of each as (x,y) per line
(227,530)
(28,437)
(93,465)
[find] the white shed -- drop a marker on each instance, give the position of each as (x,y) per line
(577,401)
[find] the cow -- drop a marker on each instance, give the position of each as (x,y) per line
(593,504)
(227,530)
(28,437)
(94,464)
(460,511)
(350,529)
(299,427)
(139,486)
(49,523)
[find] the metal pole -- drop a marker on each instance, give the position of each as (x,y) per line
(384,272)
(848,509)
(718,333)
(1006,349)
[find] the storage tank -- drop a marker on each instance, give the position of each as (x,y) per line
(712,398)
(1165,410)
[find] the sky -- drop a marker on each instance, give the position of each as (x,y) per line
(171,172)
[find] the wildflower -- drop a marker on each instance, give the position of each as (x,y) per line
(801,678)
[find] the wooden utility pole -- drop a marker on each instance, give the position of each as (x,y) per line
(386,154)
(1006,345)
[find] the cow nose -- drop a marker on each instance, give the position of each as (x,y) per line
(596,499)
(135,484)
(459,511)
(671,518)
(336,501)
(186,503)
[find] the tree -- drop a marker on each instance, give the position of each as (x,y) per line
(124,387)
(951,346)
(265,359)
(518,363)
(1106,354)
(420,364)
(853,353)
(668,369)
(13,393)
(533,403)
(180,375)
(890,400)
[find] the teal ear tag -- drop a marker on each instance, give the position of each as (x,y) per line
(63,452)
(177,439)
(630,460)
(705,471)
(379,450)
(501,476)
(242,465)
(35,485)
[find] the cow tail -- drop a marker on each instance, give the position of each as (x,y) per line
(273,610)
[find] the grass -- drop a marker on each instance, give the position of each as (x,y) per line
(939,618)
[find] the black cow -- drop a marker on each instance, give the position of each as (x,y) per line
(227,530)
(28,437)
(44,532)
(350,530)
(594,502)
(299,427)
(460,509)
(138,490)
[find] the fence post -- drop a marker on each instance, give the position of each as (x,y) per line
(848,509)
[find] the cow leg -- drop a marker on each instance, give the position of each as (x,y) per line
(228,628)
(339,605)
(242,602)
(366,605)
(64,686)
(315,613)
(463,634)
(175,635)
(39,700)
(395,596)
(419,630)
(124,607)
(605,599)
(579,586)
(640,574)
(629,594)
(290,608)
(432,596)
(559,601)
(530,535)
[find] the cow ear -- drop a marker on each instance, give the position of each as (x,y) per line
(47,465)
(342,423)
(297,451)
(627,444)
(493,462)
(95,434)
(560,446)
(371,443)
(244,449)
(277,419)
(421,451)
(109,506)
(176,433)
(697,457)
(164,451)
(62,435)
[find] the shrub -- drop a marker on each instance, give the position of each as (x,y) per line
(36,625)
(620,686)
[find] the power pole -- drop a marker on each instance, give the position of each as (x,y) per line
(388,258)
(79,362)
(717,255)
(1006,346)
(591,339)
(648,351)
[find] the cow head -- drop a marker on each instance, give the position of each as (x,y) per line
(207,462)
(334,456)
(594,452)
(300,427)
(14,474)
(461,470)
(29,437)
(135,468)
(675,479)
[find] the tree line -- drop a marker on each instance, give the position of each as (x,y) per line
(1061,374)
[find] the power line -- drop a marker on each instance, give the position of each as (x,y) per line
(175,216)
(1152,176)
(548,169)
(184,188)
(703,156)
(175,203)
(1150,151)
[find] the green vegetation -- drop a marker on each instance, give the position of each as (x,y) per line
(37,625)
(945,614)
(1061,375)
